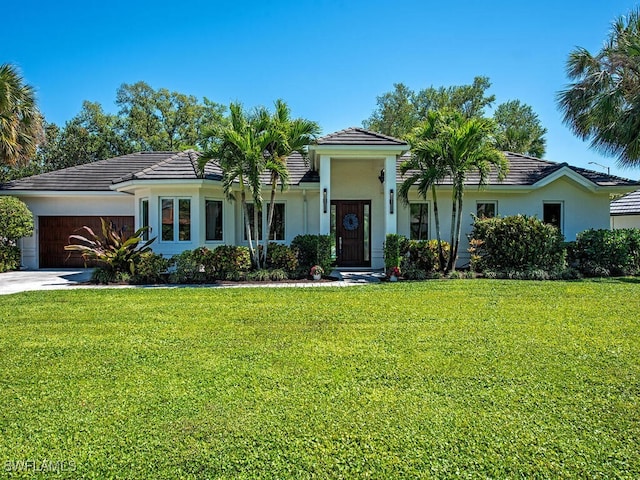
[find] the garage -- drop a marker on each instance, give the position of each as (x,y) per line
(54,234)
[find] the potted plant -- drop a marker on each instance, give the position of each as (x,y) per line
(316,272)
(393,274)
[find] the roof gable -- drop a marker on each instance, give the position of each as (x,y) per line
(359,136)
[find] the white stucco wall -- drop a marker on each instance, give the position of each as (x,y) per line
(69,205)
(582,209)
(357,179)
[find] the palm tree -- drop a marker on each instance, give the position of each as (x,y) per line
(239,147)
(603,102)
(466,145)
(289,136)
(20,120)
(425,169)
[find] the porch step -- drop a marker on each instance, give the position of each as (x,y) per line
(359,275)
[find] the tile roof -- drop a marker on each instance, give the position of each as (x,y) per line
(627,205)
(148,166)
(525,170)
(94,176)
(141,166)
(359,136)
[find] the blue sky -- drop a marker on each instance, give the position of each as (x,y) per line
(327,59)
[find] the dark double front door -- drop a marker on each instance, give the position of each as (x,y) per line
(352,232)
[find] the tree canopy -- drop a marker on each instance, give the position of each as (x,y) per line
(147,119)
(602,104)
(20,120)
(398,112)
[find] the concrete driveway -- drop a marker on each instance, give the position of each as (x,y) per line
(26,280)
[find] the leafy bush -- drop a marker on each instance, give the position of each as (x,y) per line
(231,262)
(281,257)
(151,269)
(392,250)
(194,266)
(16,221)
(278,274)
(421,255)
(9,258)
(112,250)
(517,244)
(260,275)
(312,250)
(601,253)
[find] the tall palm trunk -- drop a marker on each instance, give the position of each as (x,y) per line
(454,252)
(436,216)
(270,215)
(454,217)
(256,233)
(247,223)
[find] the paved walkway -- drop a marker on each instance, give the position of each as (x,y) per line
(35,280)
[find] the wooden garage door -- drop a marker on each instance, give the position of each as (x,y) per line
(54,235)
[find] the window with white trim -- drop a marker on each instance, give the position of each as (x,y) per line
(486,209)
(175,227)
(278,228)
(213,220)
(419,221)
(552,214)
(144,217)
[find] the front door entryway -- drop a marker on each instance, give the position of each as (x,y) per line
(351,225)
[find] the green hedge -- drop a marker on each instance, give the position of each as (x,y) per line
(16,221)
(231,262)
(282,257)
(312,250)
(420,257)
(517,244)
(9,258)
(602,253)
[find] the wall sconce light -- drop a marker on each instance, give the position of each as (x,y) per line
(381,176)
(391,201)
(324,200)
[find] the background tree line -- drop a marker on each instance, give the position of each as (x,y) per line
(147,119)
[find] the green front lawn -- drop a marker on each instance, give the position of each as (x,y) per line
(434,379)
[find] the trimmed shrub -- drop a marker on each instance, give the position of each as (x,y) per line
(9,258)
(282,257)
(16,221)
(194,266)
(151,268)
(392,250)
(312,250)
(421,256)
(231,262)
(602,253)
(517,244)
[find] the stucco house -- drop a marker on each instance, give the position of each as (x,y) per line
(625,211)
(348,188)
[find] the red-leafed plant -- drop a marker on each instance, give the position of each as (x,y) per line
(115,253)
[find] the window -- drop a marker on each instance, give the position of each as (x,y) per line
(144,217)
(552,214)
(167,220)
(277,233)
(213,218)
(278,228)
(176,227)
(419,221)
(486,209)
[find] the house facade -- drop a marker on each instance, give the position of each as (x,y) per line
(346,188)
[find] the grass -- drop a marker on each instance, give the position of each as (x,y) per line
(458,379)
